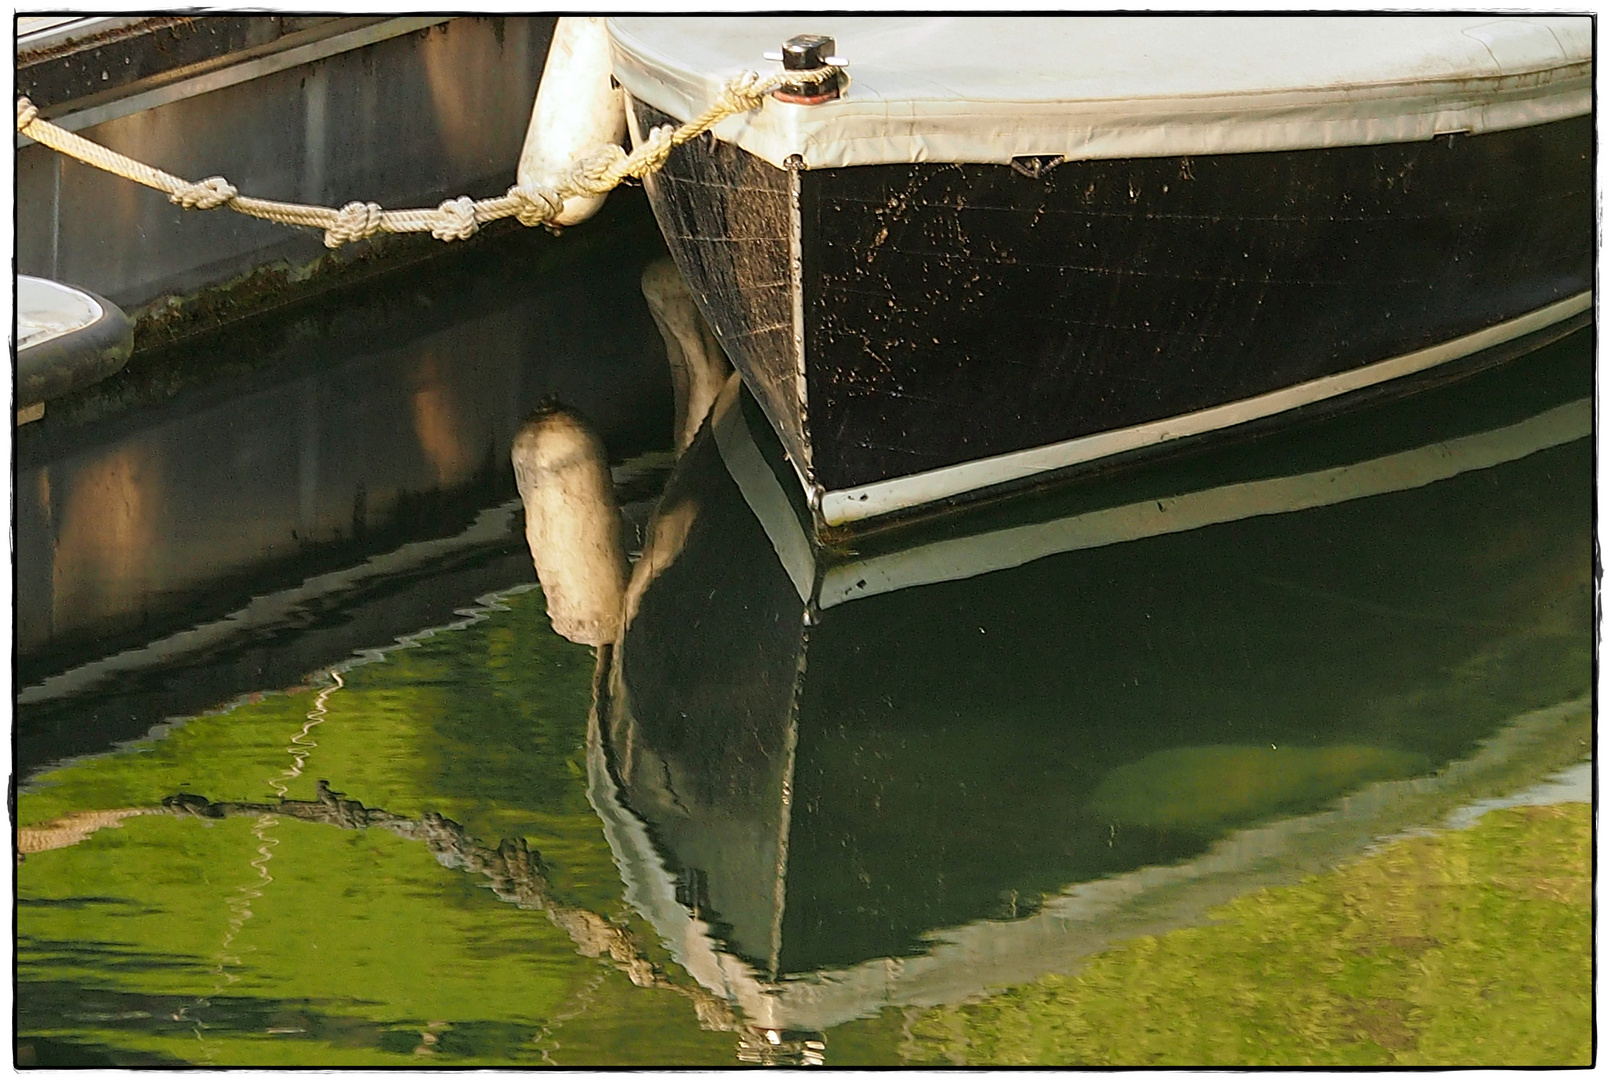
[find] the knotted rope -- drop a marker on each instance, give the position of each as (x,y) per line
(354,221)
(455,219)
(209,194)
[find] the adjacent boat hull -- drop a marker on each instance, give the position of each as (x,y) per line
(67,338)
(920,332)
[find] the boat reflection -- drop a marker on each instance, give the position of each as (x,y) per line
(842,780)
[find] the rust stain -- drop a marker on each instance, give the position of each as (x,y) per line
(27,57)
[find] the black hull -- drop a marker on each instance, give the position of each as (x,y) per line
(941,313)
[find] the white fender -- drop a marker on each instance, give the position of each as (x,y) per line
(571,524)
(577,111)
(698,367)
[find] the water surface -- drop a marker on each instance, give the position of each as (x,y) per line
(1061,781)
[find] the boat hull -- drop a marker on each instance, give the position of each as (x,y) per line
(67,339)
(920,332)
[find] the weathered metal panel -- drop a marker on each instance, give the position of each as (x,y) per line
(727,217)
(407,121)
(89,59)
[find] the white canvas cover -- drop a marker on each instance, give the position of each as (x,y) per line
(987,89)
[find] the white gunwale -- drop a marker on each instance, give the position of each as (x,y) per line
(850,505)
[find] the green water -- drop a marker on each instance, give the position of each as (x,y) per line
(264,941)
(1118,806)
(255,941)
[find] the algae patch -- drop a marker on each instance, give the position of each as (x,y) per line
(1206,787)
(1454,950)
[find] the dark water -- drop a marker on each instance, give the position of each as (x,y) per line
(304,445)
(888,805)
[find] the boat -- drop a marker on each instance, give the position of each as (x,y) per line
(778,725)
(67,338)
(961,254)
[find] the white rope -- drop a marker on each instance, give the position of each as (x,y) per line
(454,219)
(355,221)
(209,194)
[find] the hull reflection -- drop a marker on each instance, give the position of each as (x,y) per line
(837,781)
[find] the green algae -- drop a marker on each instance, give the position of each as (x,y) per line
(1469,948)
(1206,787)
(274,942)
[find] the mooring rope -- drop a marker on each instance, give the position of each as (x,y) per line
(454,219)
(70,829)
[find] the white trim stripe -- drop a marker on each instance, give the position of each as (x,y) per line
(970,556)
(906,492)
(761,489)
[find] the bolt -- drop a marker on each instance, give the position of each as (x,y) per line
(809,52)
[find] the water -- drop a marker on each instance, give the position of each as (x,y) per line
(1064,780)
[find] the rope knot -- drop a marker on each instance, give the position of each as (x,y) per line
(744,92)
(27,112)
(599,172)
(536,205)
(354,221)
(206,194)
(455,219)
(655,149)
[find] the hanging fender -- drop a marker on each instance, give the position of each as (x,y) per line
(578,110)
